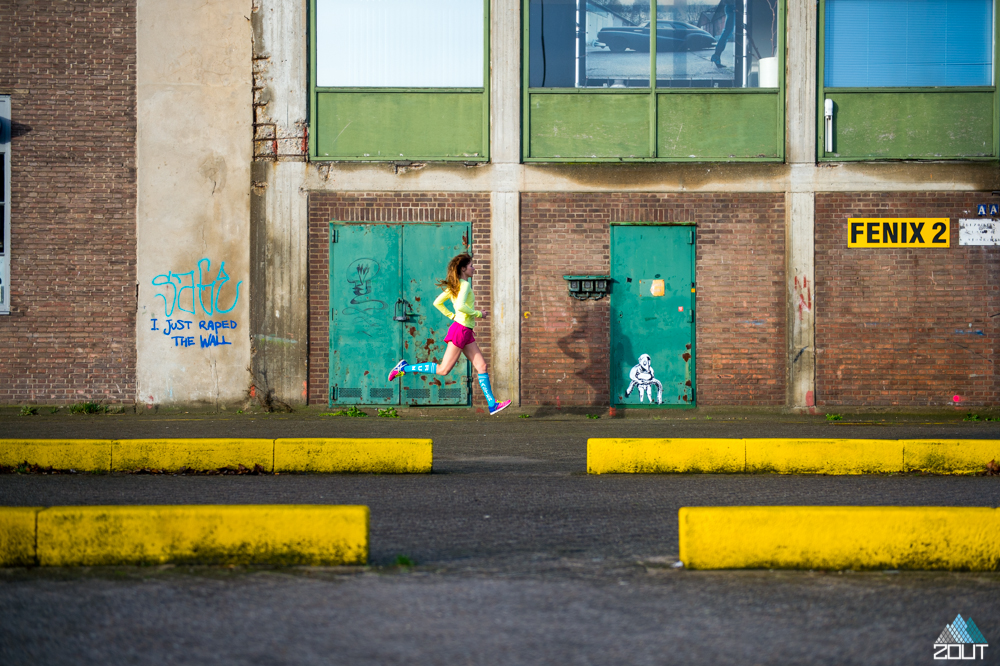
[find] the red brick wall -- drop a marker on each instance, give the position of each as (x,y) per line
(740,277)
(900,326)
(70,67)
(387,207)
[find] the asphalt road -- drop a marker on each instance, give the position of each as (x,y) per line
(521,558)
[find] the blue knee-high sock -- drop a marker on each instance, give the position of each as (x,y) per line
(430,368)
(484,383)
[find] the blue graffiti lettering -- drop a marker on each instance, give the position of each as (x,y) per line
(183,340)
(213,341)
(154,325)
(216,325)
(177,325)
(180,290)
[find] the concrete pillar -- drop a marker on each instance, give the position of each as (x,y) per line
(800,203)
(279,214)
(505,153)
(193,161)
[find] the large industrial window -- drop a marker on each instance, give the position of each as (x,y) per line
(907,79)
(5,204)
(399,80)
(661,79)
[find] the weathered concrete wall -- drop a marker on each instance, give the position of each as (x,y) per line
(194,152)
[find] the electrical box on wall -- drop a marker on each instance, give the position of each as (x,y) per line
(583,287)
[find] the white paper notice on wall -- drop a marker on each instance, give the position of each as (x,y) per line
(979,232)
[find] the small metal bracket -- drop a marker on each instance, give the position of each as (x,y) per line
(583,287)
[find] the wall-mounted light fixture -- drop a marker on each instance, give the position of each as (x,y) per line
(583,287)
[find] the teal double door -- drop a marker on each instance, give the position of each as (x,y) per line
(382,291)
(652,315)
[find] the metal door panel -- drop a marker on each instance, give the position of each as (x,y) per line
(652,316)
(364,286)
(427,248)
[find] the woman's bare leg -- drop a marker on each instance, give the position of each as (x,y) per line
(474,354)
(451,355)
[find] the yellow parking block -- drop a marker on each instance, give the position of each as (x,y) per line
(844,537)
(198,454)
(17,535)
(622,455)
(382,456)
(84,455)
(264,534)
(824,456)
(952,456)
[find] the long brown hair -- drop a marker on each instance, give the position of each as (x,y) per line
(455,268)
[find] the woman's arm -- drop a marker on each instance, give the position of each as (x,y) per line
(439,304)
(461,301)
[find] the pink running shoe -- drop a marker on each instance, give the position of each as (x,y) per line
(398,370)
(499,407)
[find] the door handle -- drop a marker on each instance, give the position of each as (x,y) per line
(400,313)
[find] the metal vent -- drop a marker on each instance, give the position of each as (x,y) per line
(418,393)
(449,393)
(381,393)
(349,393)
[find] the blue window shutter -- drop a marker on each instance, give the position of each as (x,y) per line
(889,43)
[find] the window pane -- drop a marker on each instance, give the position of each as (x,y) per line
(889,43)
(583,44)
(717,44)
(399,43)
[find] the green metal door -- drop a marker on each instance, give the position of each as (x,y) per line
(381,310)
(364,288)
(652,315)
(427,248)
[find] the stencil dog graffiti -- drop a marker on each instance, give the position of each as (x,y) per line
(363,305)
(641,375)
(183,291)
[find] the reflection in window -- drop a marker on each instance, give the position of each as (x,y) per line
(606,44)
(888,43)
(399,43)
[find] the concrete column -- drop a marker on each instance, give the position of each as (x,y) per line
(279,214)
(505,152)
(800,204)
(193,201)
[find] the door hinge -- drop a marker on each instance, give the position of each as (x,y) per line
(334,235)
(333,393)
(691,237)
(690,316)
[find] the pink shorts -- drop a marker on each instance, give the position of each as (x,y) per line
(459,335)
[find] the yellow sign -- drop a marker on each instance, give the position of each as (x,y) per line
(899,232)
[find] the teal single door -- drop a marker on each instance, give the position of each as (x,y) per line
(364,287)
(382,291)
(427,249)
(652,315)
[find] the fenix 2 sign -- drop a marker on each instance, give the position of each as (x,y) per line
(929,232)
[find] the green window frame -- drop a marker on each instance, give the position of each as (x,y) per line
(442,124)
(939,122)
(681,124)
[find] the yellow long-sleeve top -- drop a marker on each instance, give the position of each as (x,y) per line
(462,303)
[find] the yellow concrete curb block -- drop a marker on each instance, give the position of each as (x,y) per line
(606,456)
(790,456)
(84,455)
(17,535)
(171,455)
(359,455)
(246,534)
(824,456)
(387,456)
(844,537)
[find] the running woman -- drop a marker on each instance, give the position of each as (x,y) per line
(458,289)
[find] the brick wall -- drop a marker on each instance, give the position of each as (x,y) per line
(900,326)
(740,278)
(389,207)
(70,67)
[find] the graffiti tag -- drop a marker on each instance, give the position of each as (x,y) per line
(185,291)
